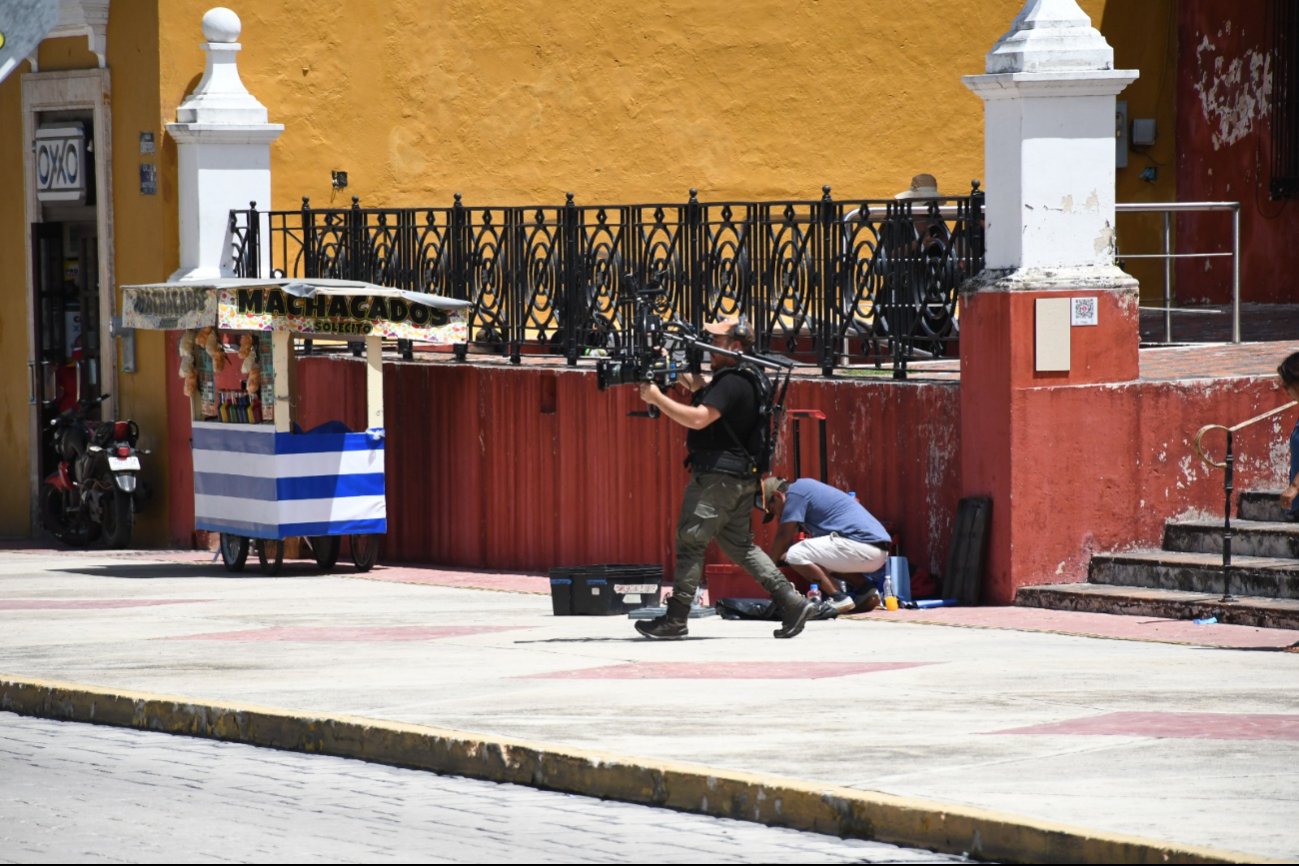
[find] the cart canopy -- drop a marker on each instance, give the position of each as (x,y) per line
(345,309)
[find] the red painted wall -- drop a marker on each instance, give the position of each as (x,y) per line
(1075,464)
(1114,487)
(180,460)
(1224,153)
(528,468)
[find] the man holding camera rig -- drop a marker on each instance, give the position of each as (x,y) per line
(722,419)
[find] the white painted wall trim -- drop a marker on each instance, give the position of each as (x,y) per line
(85,17)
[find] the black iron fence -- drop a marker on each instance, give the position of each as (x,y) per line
(831,283)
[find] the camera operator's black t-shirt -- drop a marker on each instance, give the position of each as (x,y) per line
(732,395)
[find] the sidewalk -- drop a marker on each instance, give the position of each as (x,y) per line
(1009,733)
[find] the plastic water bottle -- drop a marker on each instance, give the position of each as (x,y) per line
(814,593)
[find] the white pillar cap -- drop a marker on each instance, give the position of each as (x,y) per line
(1050,36)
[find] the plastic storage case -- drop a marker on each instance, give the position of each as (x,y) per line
(604,590)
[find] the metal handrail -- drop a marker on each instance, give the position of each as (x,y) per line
(1229,465)
(1168,208)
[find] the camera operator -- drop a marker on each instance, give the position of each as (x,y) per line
(721,418)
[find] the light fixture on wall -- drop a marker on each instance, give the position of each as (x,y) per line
(339,179)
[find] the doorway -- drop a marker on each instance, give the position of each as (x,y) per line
(68,192)
(65,305)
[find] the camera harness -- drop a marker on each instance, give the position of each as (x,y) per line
(771,406)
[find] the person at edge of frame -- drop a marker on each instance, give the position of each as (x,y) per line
(1289,373)
(718,501)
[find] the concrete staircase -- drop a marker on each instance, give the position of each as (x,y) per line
(1184,580)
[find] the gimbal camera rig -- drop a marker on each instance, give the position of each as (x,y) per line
(657,352)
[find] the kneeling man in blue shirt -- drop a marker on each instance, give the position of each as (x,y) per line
(844,541)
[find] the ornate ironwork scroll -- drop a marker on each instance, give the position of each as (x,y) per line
(831,283)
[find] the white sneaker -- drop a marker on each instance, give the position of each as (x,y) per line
(842,602)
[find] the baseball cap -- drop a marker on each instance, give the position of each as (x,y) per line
(733,327)
(770,485)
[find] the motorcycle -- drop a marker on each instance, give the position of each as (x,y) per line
(95,488)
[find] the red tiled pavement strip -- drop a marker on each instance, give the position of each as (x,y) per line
(90,603)
(346,633)
(1186,726)
(1104,625)
(536,584)
(770,670)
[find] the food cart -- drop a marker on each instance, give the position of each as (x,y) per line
(261,481)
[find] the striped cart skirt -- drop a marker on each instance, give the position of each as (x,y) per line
(252,481)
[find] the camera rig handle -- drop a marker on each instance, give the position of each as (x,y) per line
(760,360)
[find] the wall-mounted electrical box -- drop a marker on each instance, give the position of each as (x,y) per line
(1143,132)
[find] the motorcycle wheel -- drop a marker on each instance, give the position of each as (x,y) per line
(365,551)
(270,554)
(325,548)
(79,533)
(234,551)
(118,518)
(52,511)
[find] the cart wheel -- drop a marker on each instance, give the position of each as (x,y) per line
(325,548)
(271,555)
(234,551)
(365,551)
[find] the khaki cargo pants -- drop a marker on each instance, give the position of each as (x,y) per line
(719,506)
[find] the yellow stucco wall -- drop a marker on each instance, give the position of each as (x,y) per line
(1144,36)
(14,411)
(626,100)
(145,234)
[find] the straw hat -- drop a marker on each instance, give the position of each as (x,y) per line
(922,186)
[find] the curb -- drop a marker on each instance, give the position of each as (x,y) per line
(768,800)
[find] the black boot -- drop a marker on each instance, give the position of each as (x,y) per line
(794,611)
(670,626)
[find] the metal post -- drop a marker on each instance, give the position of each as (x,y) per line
(1226,525)
(695,275)
(1235,274)
(458,282)
(1168,278)
(798,446)
(309,263)
(829,294)
(825,479)
(571,299)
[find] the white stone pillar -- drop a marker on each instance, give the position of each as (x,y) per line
(224,153)
(1051,324)
(1049,144)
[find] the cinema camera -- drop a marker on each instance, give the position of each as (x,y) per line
(644,355)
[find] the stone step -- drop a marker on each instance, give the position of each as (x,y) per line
(1163,603)
(1260,505)
(1248,537)
(1259,576)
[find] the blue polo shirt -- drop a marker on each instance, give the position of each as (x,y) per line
(823,509)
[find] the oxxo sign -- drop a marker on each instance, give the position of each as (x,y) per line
(61,163)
